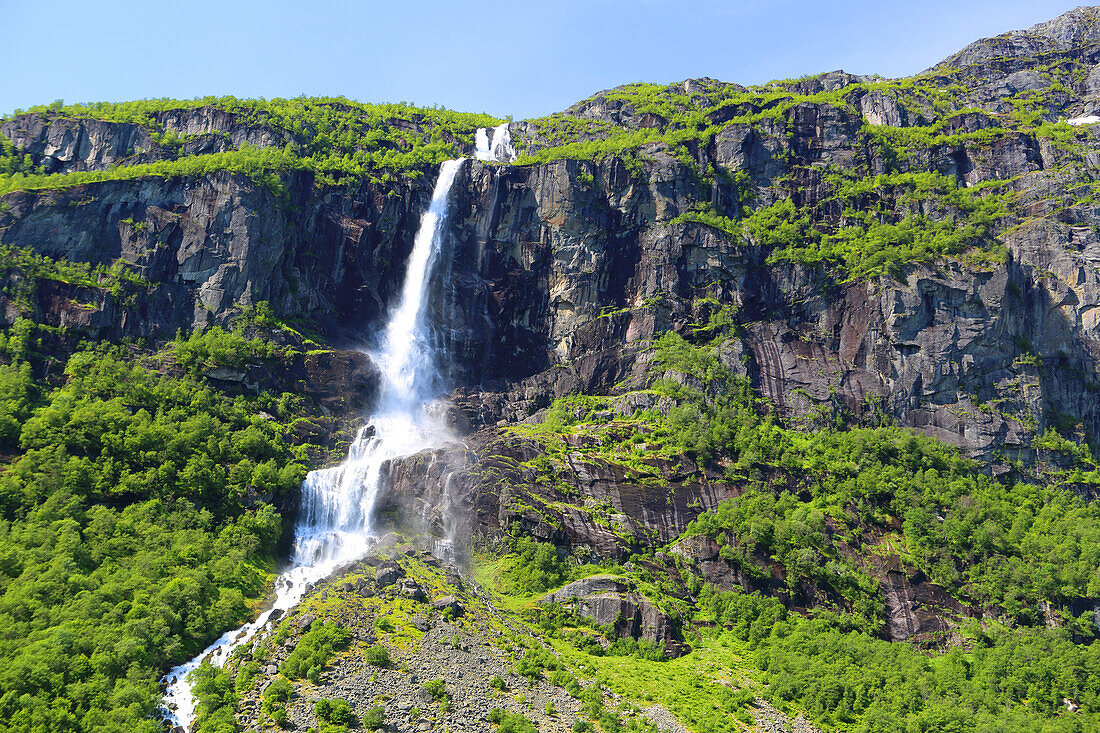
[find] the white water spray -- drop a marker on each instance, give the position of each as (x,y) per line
(496,149)
(335,527)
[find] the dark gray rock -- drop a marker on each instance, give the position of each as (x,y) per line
(412,590)
(609,600)
(449,603)
(388,573)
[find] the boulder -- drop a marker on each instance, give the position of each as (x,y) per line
(388,574)
(611,601)
(449,603)
(411,589)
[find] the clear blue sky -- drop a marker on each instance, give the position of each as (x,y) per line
(522,57)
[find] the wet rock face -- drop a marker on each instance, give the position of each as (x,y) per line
(594,507)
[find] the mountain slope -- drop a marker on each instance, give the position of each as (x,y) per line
(808,369)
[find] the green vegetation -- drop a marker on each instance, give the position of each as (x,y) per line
(510,722)
(436,688)
(125,541)
(877,234)
(374,718)
(682,121)
(314,650)
(534,567)
(816,511)
(533,662)
(23,272)
(809,499)
(872,243)
(263,166)
(136,517)
(1002,679)
(216,699)
(336,712)
(275,699)
(14,161)
(217,348)
(872,225)
(377,655)
(336,139)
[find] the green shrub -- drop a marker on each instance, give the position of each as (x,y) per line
(534,661)
(534,566)
(314,650)
(510,722)
(377,655)
(437,688)
(561,678)
(274,700)
(375,718)
(335,711)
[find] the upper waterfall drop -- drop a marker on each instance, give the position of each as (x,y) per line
(498,148)
(335,523)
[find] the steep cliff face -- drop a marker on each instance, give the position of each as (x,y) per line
(211,246)
(585,264)
(560,273)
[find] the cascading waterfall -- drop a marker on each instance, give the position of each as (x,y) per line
(498,148)
(335,526)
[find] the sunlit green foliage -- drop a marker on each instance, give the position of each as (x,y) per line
(337,139)
(13,160)
(335,711)
(534,567)
(314,650)
(124,543)
(23,271)
(1001,679)
(216,348)
(216,700)
(510,722)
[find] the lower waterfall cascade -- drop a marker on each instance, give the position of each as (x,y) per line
(335,525)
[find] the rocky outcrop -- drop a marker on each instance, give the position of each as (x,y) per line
(579,277)
(611,601)
(592,506)
(69,144)
(1077,30)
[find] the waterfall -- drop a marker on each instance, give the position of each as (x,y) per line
(335,526)
(496,149)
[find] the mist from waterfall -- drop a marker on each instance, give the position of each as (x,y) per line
(336,526)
